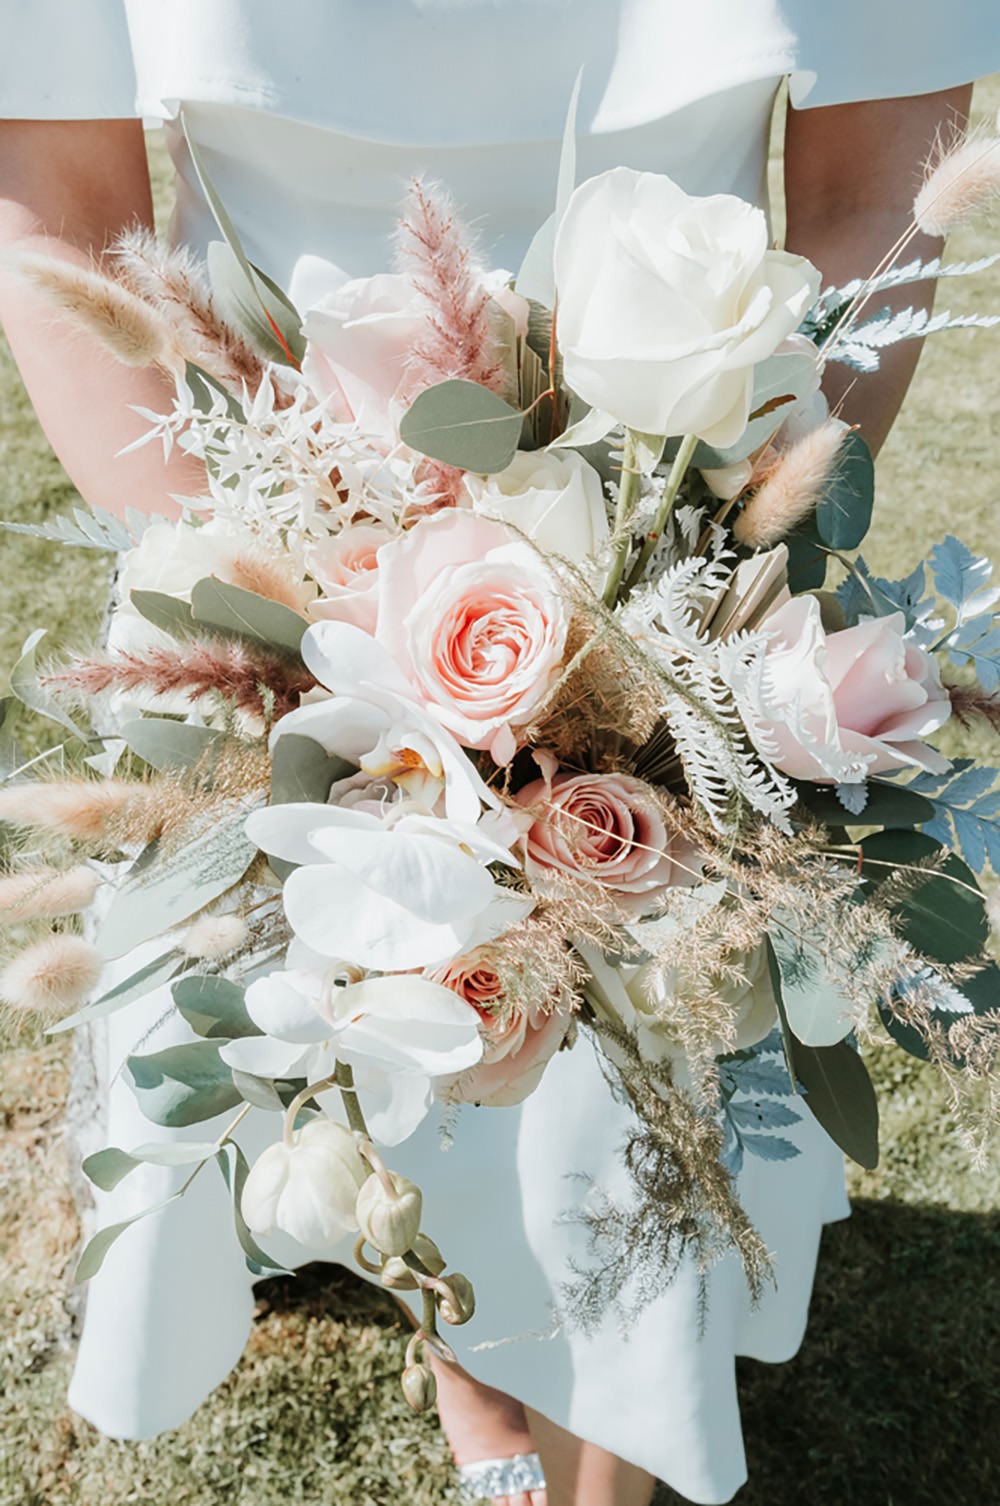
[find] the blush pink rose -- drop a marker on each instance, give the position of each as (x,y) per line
(604,828)
(346,570)
(517,1047)
(842,705)
(359,339)
(477,623)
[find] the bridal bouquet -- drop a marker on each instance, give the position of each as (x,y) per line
(493,691)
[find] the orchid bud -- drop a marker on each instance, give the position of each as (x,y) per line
(306,1188)
(456,1298)
(389,1220)
(396,1274)
(419,1387)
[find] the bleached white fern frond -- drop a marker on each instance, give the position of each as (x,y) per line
(90,528)
(833,298)
(860,345)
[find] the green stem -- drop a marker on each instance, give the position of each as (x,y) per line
(628,495)
(428,1322)
(677,473)
(344,1078)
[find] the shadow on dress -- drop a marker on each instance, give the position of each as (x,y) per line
(893,1396)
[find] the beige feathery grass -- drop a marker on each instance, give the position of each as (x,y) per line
(46,893)
(85,809)
(792,488)
(960,180)
(131,329)
(268,576)
(213,936)
(51,976)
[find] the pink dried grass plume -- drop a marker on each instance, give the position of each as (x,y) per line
(46,893)
(135,332)
(51,976)
(171,279)
(970,704)
(435,250)
(256,681)
(791,488)
(961,178)
(212,937)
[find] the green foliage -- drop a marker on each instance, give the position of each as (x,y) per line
(182,1085)
(942,917)
(302,770)
(463,424)
(844,513)
(214,1008)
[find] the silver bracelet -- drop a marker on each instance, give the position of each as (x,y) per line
(492,1479)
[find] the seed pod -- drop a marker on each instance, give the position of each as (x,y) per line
(419,1387)
(390,1221)
(456,1298)
(396,1274)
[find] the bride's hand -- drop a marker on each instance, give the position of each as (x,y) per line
(66,189)
(851,173)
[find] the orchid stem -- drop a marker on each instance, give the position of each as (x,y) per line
(628,496)
(344,1078)
(678,471)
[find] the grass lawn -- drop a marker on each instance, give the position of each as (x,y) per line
(893,1399)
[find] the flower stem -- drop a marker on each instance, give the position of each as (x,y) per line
(628,495)
(677,473)
(291,1113)
(344,1079)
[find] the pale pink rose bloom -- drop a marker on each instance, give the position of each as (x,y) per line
(476,622)
(843,705)
(607,829)
(359,341)
(516,1049)
(346,570)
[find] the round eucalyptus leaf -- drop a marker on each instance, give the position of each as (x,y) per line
(464,425)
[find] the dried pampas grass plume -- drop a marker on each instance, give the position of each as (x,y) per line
(960,180)
(171,279)
(46,893)
(87,809)
(132,330)
(268,576)
(52,976)
(213,936)
(792,487)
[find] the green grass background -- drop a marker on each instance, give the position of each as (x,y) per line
(893,1400)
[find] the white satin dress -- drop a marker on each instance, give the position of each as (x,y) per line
(311,116)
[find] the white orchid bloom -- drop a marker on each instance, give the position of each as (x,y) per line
(374,722)
(398,1034)
(401,891)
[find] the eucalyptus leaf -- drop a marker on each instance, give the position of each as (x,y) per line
(166,744)
(25,685)
(168,613)
(275,311)
(259,1091)
(302,770)
(464,425)
(815,987)
(943,916)
(162,890)
(844,513)
(230,609)
(250,302)
(205,390)
(106,1168)
(136,986)
(780,380)
(807,558)
(182,1085)
(536,278)
(888,804)
(235,1170)
(839,1093)
(96,1249)
(213,1007)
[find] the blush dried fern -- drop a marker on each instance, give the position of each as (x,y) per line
(253,680)
(171,279)
(435,251)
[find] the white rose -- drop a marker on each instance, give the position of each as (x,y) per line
(307,1189)
(667,302)
(555,498)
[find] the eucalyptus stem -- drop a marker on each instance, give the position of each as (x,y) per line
(628,497)
(674,480)
(428,1321)
(344,1078)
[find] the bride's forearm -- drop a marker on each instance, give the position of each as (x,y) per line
(851,172)
(66,189)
